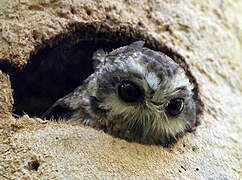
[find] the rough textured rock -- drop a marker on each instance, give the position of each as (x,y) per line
(209,37)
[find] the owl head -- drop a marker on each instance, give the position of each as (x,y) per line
(141,95)
(137,94)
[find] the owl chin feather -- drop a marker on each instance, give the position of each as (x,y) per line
(129,96)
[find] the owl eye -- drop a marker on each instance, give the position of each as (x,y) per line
(175,106)
(128,91)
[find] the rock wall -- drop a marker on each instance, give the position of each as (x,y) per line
(208,35)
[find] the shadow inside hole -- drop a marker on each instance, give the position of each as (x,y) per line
(53,72)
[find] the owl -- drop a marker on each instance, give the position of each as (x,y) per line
(136,94)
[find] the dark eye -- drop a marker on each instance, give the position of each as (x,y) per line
(128,91)
(175,106)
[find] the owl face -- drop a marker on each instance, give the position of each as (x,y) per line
(140,95)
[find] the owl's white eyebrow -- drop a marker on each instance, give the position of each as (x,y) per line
(152,80)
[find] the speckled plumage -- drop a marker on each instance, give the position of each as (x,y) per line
(96,102)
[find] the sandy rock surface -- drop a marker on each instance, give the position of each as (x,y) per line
(209,37)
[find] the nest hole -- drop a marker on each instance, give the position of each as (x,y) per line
(59,65)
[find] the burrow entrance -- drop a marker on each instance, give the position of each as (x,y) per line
(61,64)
